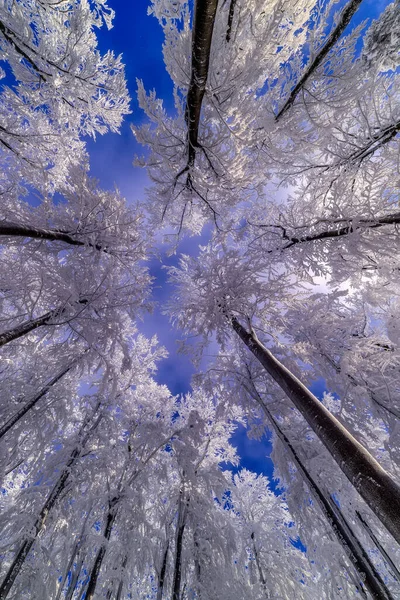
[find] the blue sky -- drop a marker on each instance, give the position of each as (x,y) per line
(139,38)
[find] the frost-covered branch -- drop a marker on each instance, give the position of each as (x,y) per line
(344,19)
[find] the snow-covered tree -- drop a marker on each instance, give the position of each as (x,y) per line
(58,88)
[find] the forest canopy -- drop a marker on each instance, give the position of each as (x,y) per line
(277,146)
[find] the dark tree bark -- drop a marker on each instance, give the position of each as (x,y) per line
(14,230)
(28,326)
(369,576)
(176,586)
(344,20)
(230,20)
(372,482)
(121,583)
(54,495)
(392,567)
(69,568)
(18,45)
(22,412)
(94,575)
(372,145)
(258,563)
(161,578)
(203,25)
(360,226)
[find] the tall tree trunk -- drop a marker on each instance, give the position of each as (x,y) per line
(344,19)
(15,230)
(197,564)
(121,582)
(176,586)
(369,576)
(203,25)
(74,555)
(230,20)
(161,578)
(258,563)
(74,579)
(58,488)
(372,482)
(94,575)
(113,506)
(22,411)
(386,558)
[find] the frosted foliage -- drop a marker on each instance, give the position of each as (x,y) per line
(229,112)
(61,88)
(111,486)
(383,39)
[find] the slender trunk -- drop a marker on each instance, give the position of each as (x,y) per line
(22,411)
(197,564)
(110,519)
(16,230)
(176,586)
(121,582)
(230,20)
(68,569)
(74,580)
(372,482)
(392,567)
(75,553)
(260,572)
(161,579)
(28,326)
(94,575)
(178,563)
(58,488)
(351,545)
(203,25)
(342,23)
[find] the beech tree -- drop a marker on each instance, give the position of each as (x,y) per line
(285,138)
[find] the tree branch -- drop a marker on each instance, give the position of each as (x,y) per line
(344,20)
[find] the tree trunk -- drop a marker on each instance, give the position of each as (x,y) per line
(372,482)
(15,230)
(94,575)
(343,21)
(28,326)
(351,545)
(41,520)
(260,571)
(74,555)
(203,25)
(67,570)
(197,564)
(20,413)
(121,582)
(386,558)
(230,20)
(176,586)
(74,579)
(161,579)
